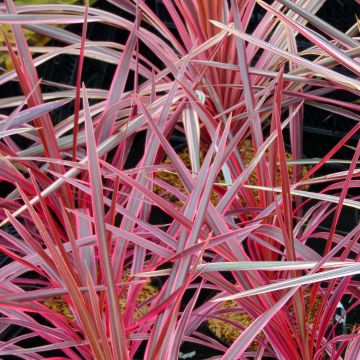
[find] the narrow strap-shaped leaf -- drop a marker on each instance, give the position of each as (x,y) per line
(241,344)
(117,332)
(321,24)
(78,80)
(316,68)
(317,39)
(68,279)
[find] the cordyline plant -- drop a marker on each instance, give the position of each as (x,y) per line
(77,219)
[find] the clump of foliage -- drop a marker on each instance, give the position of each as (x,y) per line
(80,220)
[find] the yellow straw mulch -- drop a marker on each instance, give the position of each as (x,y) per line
(59,305)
